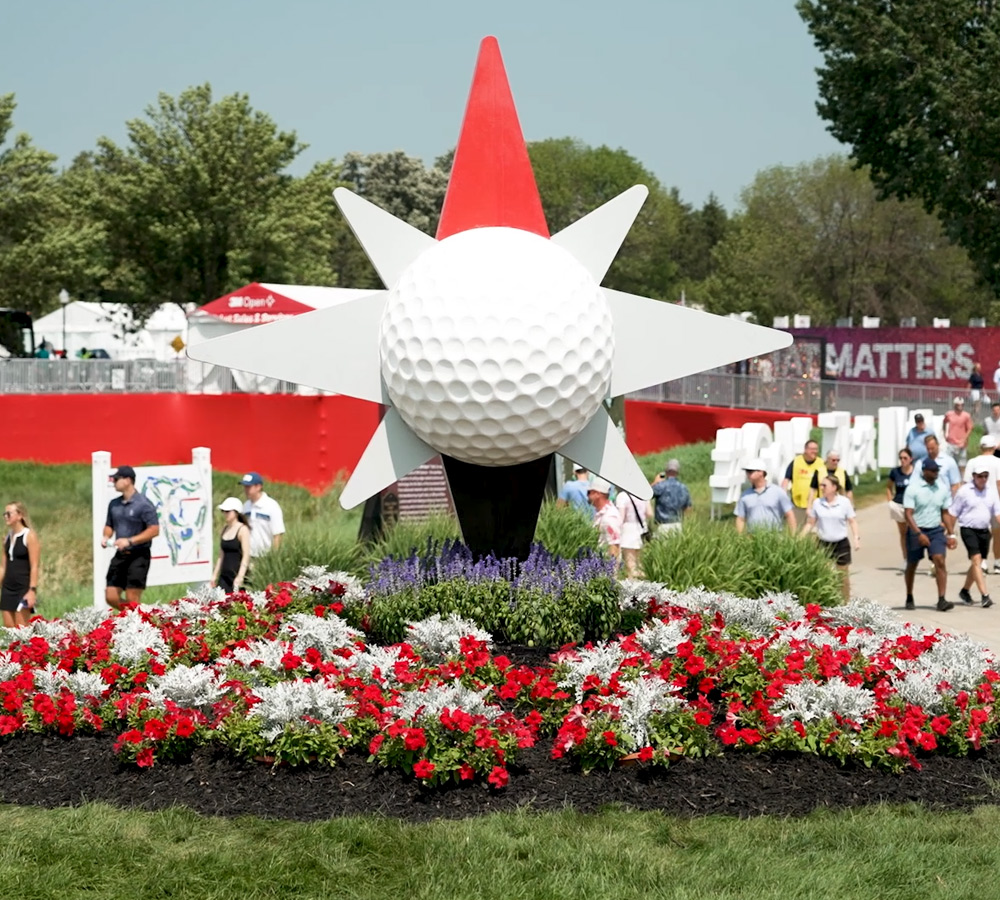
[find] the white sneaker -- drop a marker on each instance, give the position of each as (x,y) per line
(986,566)
(996,568)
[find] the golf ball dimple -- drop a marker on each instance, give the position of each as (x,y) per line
(496,346)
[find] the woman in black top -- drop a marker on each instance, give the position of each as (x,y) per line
(234,547)
(895,489)
(18,568)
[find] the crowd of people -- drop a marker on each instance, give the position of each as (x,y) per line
(250,528)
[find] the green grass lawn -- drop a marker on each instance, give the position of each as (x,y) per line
(885,853)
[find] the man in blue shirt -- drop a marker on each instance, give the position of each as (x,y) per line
(927,506)
(133,521)
(671,498)
(948,473)
(574,493)
(915,438)
(764,505)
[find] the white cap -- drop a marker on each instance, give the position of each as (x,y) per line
(959,401)
(578,468)
(601,485)
(754,463)
(981,466)
(988,440)
(231,503)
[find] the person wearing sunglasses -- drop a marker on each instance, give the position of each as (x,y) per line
(976,509)
(18,567)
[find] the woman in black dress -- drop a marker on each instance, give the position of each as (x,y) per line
(18,568)
(234,547)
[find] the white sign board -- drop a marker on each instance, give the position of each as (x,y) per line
(182,495)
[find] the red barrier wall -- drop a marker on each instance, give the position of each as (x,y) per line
(300,440)
(652,427)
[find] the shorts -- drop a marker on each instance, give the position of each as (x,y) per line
(631,536)
(896,512)
(840,551)
(938,547)
(977,541)
(128,570)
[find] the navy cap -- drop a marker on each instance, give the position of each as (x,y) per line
(251,478)
(931,464)
(124,472)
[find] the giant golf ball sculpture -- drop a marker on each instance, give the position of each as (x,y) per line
(494,345)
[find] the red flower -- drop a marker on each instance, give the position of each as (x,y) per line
(466,772)
(375,744)
(155,730)
(414,739)
(940,724)
(703,717)
(144,758)
(184,728)
(423,768)
(498,777)
(646,754)
(610,739)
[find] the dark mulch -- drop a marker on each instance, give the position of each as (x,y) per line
(53,772)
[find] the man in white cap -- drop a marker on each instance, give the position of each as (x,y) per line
(574,492)
(976,508)
(987,446)
(764,505)
(957,428)
(607,520)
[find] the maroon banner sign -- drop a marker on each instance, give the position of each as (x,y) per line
(939,357)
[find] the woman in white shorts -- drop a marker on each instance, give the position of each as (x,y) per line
(899,478)
(633,513)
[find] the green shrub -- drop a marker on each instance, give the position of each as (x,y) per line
(712,555)
(565,530)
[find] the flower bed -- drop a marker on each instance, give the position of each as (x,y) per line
(281,676)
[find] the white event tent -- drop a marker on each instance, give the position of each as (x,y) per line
(257,303)
(108,326)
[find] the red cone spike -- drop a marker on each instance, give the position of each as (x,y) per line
(491,182)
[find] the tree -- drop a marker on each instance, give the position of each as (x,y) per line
(199,202)
(45,243)
(399,184)
(816,239)
(574,179)
(914,88)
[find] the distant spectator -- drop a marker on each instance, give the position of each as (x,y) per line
(915,438)
(764,505)
(991,424)
(798,477)
(899,481)
(607,519)
(267,524)
(83,353)
(831,466)
(234,547)
(132,520)
(976,382)
(574,492)
(957,428)
(987,447)
(949,474)
(671,498)
(43,351)
(832,515)
(18,567)
(634,527)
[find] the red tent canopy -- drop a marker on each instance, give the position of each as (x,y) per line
(254,304)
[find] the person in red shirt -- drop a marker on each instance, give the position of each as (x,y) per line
(957,428)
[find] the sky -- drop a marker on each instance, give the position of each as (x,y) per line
(704,93)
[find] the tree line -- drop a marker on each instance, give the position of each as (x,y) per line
(199,200)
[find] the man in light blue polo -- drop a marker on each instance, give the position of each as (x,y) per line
(926,505)
(764,505)
(574,493)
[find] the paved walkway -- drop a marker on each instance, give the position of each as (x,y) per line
(875,573)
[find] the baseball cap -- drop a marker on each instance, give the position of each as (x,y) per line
(988,440)
(755,463)
(251,478)
(673,465)
(930,464)
(601,485)
(231,503)
(918,418)
(124,472)
(981,467)
(579,468)
(959,401)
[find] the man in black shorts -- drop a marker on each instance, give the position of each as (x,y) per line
(132,520)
